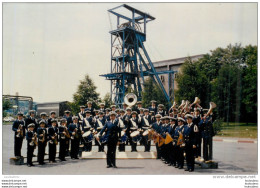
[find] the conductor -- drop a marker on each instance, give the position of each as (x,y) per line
(112,131)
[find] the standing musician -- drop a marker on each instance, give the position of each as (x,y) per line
(113,131)
(128,116)
(113,108)
(88,125)
(157,127)
(107,115)
(19,134)
(69,121)
(196,120)
(161,111)
(52,114)
(207,134)
(123,127)
(139,106)
(90,108)
(102,107)
(179,132)
(166,147)
(146,122)
(31,119)
(96,114)
(43,116)
(172,146)
(68,117)
(153,107)
(42,141)
(75,132)
(117,111)
(124,106)
(134,125)
(82,114)
(31,138)
(53,140)
(190,137)
(63,135)
(99,124)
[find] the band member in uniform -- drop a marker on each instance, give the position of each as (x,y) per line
(190,137)
(31,119)
(134,125)
(123,127)
(157,127)
(42,141)
(153,107)
(88,125)
(19,134)
(128,116)
(81,115)
(107,115)
(179,131)
(99,124)
(53,140)
(172,145)
(43,116)
(102,107)
(75,132)
(207,134)
(113,108)
(63,134)
(117,113)
(161,111)
(147,121)
(113,131)
(196,120)
(139,106)
(90,108)
(124,106)
(31,138)
(68,117)
(53,114)
(96,114)
(166,147)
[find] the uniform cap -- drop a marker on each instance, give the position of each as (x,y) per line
(75,117)
(153,101)
(43,114)
(158,116)
(181,119)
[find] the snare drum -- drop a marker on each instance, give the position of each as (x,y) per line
(136,137)
(87,136)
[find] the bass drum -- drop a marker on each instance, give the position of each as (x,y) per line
(123,137)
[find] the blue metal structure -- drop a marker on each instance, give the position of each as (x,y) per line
(130,62)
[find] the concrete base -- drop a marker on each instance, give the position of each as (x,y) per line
(120,155)
(15,161)
(207,164)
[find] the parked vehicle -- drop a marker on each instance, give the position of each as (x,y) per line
(8,119)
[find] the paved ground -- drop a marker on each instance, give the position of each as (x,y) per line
(233,158)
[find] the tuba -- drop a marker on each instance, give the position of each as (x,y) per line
(212,105)
(20,134)
(43,137)
(130,99)
(34,140)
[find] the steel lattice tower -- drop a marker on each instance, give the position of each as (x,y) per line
(130,62)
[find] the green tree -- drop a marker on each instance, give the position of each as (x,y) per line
(151,91)
(107,100)
(6,106)
(86,92)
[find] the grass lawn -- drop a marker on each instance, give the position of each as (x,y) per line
(239,130)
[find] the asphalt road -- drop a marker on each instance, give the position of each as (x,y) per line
(232,158)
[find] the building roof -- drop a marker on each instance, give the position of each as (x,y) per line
(57,102)
(175,61)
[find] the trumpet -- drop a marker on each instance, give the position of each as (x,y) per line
(34,140)
(65,133)
(20,134)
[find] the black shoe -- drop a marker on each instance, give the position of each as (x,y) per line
(63,160)
(177,166)
(169,164)
(29,165)
(191,170)
(54,161)
(76,158)
(114,166)
(165,162)
(109,166)
(186,169)
(181,167)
